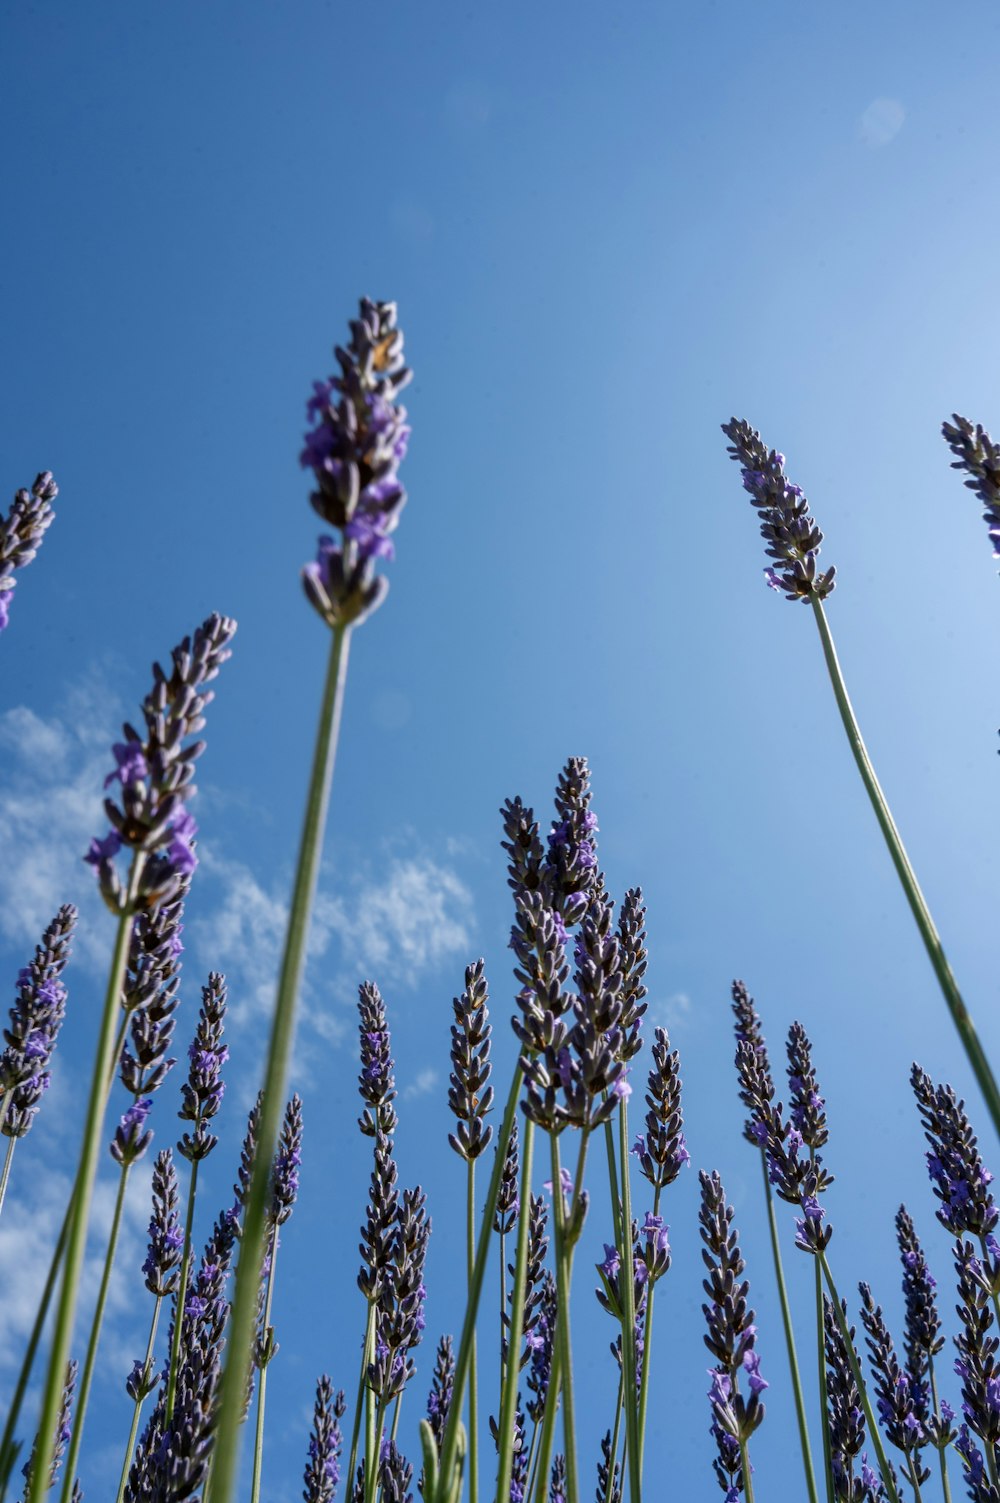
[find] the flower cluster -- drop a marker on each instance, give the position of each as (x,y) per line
(35,1020)
(470,1096)
(792,537)
(845,1418)
(202,1092)
(21,533)
(354,447)
(977,454)
(322,1471)
(958,1176)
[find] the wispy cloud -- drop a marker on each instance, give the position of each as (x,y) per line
(422,1085)
(674,1013)
(881,122)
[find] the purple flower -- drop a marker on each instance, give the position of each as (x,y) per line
(21,533)
(132,1137)
(35,1021)
(131,764)
(204,1089)
(793,540)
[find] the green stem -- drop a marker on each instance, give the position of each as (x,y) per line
(945,1485)
(626,1286)
(258,1445)
(858,1376)
(366,1357)
(647,1351)
(137,1406)
(503,1305)
(87,1376)
(907,876)
(470,1257)
(182,1284)
(82,1194)
(531,1470)
(747,1475)
(793,1360)
(222,1483)
(823,1400)
(450,1440)
(373,1453)
(5,1176)
(616,1205)
(563,1278)
(613,1453)
(548,1423)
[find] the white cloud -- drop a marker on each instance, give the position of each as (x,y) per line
(423,1085)
(881,122)
(673,1013)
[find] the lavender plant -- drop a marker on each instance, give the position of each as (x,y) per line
(21,534)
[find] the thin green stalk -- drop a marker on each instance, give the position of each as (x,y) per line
(613,1453)
(182,1284)
(5,1175)
(627,1295)
(222,1484)
(793,1360)
(991,1459)
(366,1356)
(941,1450)
(858,1376)
(258,1444)
(548,1423)
(374,1448)
(747,1474)
(87,1376)
(823,1400)
(563,1341)
(918,906)
(450,1440)
(531,1470)
(470,1254)
(137,1406)
(503,1303)
(83,1188)
(647,1352)
(616,1205)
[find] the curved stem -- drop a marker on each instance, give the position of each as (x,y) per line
(470,1258)
(82,1194)
(87,1376)
(852,1357)
(258,1445)
(613,1453)
(563,1277)
(941,1450)
(626,1284)
(647,1347)
(918,906)
(222,1483)
(182,1284)
(823,1398)
(367,1352)
(137,1406)
(5,1175)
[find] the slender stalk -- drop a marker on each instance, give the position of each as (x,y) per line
(222,1484)
(87,1376)
(945,1484)
(258,1445)
(137,1406)
(450,1440)
(616,1205)
(5,1175)
(548,1423)
(373,1451)
(627,1294)
(503,1304)
(747,1474)
(613,1453)
(367,1352)
(83,1188)
(531,1470)
(852,1357)
(821,1374)
(918,906)
(647,1349)
(182,1284)
(563,1278)
(470,1257)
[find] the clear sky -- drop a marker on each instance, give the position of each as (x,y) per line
(608,229)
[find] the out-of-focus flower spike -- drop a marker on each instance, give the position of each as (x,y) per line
(35,1020)
(21,533)
(977,454)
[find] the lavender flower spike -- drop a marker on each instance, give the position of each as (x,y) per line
(792,537)
(977,454)
(21,533)
(354,448)
(35,1020)
(322,1471)
(204,1088)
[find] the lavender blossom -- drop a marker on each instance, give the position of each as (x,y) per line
(572,847)
(132,1136)
(395,1475)
(442,1389)
(378,1234)
(557,1481)
(608,1487)
(539,1343)
(958,1176)
(508,1196)
(536,1281)
(753,1066)
(376,1081)
(792,537)
(63,1432)
(322,1471)
(156,772)
(202,1092)
(633,960)
(287,1162)
(977,1362)
(150,994)
(806,1105)
(354,447)
(166,1238)
(661,1149)
(248,1152)
(21,533)
(977,454)
(470,1096)
(902,1404)
(845,1417)
(922,1339)
(35,1020)
(399,1311)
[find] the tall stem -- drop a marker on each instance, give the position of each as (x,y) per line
(793,1360)
(941,1450)
(87,1376)
(82,1194)
(563,1278)
(548,1424)
(182,1283)
(222,1482)
(907,876)
(137,1406)
(367,1351)
(647,1351)
(821,1375)
(747,1474)
(613,1453)
(852,1357)
(5,1175)
(470,1258)
(626,1284)
(258,1447)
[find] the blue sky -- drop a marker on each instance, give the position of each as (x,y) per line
(608,230)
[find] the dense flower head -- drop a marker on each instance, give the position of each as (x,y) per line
(354,446)
(202,1092)
(63,1432)
(539,1343)
(155,772)
(21,533)
(902,1404)
(793,540)
(442,1388)
(399,1305)
(150,993)
(508,1195)
(166,1237)
(959,1178)
(845,1417)
(752,1065)
(977,1362)
(977,454)
(470,1096)
(806,1106)
(248,1151)
(132,1136)
(661,1149)
(322,1471)
(922,1337)
(35,1019)
(376,1081)
(287,1162)
(633,960)
(608,1477)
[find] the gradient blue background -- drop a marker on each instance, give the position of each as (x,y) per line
(608,229)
